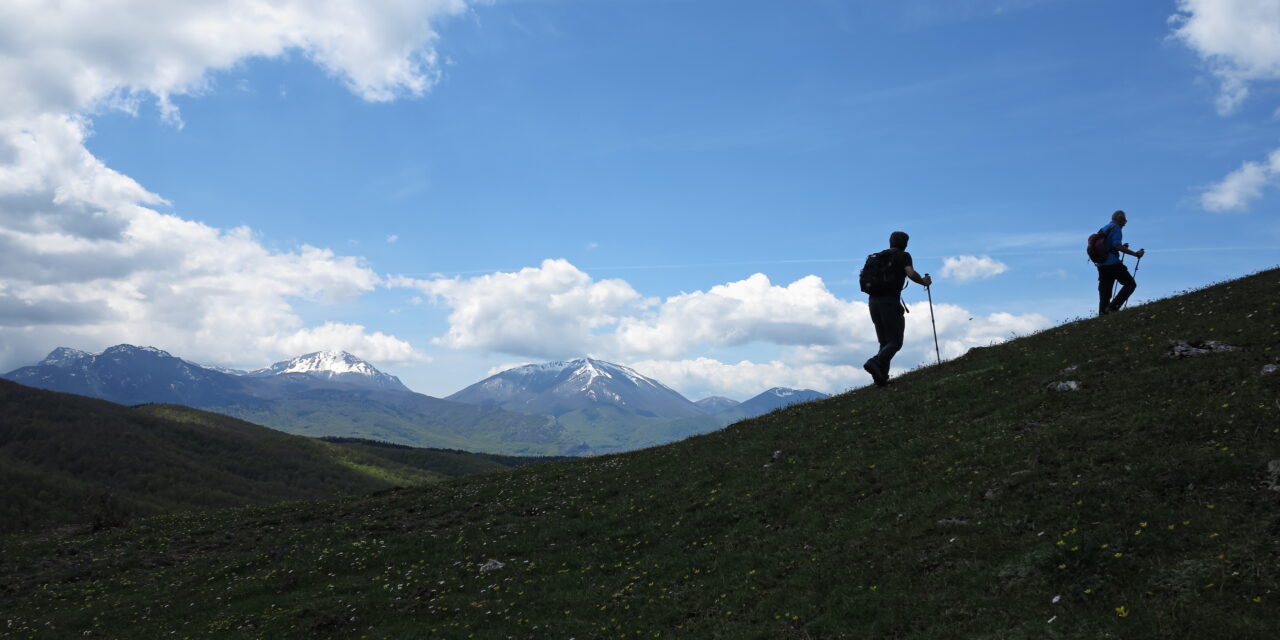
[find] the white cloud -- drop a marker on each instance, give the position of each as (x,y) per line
(556,311)
(1238,39)
(67,57)
(967,268)
(393,238)
(87,266)
(550,311)
(1242,186)
(352,338)
(85,259)
(743,312)
(701,377)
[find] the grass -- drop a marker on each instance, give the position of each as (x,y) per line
(964,501)
(71,460)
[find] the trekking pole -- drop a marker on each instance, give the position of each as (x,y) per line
(1135,273)
(1115,284)
(937,352)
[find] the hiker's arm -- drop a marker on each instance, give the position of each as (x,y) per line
(915,277)
(1124,248)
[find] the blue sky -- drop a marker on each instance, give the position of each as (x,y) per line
(687,187)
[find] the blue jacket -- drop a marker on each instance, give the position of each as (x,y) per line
(1114,239)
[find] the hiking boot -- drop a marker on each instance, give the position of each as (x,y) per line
(877,375)
(1112,308)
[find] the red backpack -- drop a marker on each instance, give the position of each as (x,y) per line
(1097,246)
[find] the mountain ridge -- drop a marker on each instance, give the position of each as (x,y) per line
(296,396)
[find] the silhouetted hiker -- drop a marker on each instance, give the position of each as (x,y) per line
(882,279)
(1111,269)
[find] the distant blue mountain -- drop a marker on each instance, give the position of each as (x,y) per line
(320,394)
(716,404)
(128,375)
(771,400)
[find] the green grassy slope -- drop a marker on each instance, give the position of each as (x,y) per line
(452,463)
(409,419)
(67,459)
(966,500)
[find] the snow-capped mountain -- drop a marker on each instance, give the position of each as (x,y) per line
(557,388)
(319,394)
(770,400)
(65,357)
(716,404)
(332,366)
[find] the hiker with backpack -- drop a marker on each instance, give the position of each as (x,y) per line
(1104,250)
(883,278)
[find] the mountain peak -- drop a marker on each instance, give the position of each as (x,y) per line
(128,349)
(334,365)
(64,357)
(335,361)
(563,386)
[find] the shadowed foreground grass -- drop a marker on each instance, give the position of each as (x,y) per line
(966,500)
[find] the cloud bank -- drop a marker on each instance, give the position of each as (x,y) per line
(85,257)
(557,311)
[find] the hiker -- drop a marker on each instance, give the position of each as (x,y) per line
(1111,269)
(882,279)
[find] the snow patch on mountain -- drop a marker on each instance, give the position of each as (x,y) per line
(338,366)
(555,388)
(65,357)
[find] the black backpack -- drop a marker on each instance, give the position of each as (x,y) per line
(877,277)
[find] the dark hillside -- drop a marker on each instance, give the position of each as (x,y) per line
(452,463)
(67,459)
(966,500)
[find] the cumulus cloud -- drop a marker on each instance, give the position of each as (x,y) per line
(702,377)
(1242,186)
(1239,40)
(742,312)
(352,338)
(556,311)
(967,268)
(69,57)
(141,276)
(836,368)
(550,311)
(85,258)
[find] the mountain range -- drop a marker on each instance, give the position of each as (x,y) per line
(575,407)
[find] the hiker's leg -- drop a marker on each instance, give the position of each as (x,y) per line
(877,319)
(895,325)
(1106,280)
(1127,285)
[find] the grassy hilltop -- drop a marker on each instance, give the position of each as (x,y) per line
(966,500)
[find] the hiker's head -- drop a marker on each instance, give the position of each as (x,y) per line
(1118,218)
(898,240)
